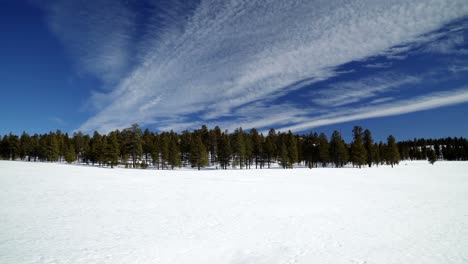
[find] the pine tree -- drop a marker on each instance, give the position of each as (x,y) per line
(238,147)
(249,156)
(96,149)
(316,149)
(346,152)
(205,137)
(185,140)
(324,149)
(310,150)
(61,144)
(437,149)
(112,151)
(164,149)
(53,148)
(25,146)
(376,158)
(34,146)
(269,147)
(147,145)
(283,157)
(404,151)
(393,156)
(4,147)
(70,156)
(292,150)
(215,136)
(382,153)
(86,148)
(431,156)
(369,146)
(358,151)
(43,148)
(78,139)
(300,153)
(224,151)
(257,145)
(174,151)
(156,150)
(13,146)
(134,142)
(198,153)
(338,151)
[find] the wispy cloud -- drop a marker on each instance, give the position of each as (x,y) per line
(381,65)
(57,120)
(212,58)
(449,45)
(458,69)
(343,93)
(431,101)
(382,100)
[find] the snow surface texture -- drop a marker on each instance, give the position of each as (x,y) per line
(414,213)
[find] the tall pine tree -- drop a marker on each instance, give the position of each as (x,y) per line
(324,149)
(112,150)
(393,155)
(338,151)
(174,150)
(224,151)
(269,147)
(198,153)
(293,156)
(369,146)
(358,151)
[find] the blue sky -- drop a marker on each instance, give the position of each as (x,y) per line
(395,67)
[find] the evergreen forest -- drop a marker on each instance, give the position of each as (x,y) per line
(134,148)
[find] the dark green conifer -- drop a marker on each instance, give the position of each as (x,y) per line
(164,144)
(174,150)
(358,151)
(25,146)
(239,148)
(431,156)
(293,156)
(393,155)
(53,148)
(324,149)
(338,151)
(224,151)
(134,142)
(112,149)
(269,147)
(70,156)
(283,157)
(369,146)
(198,153)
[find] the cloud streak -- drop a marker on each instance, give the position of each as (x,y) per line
(343,93)
(205,63)
(431,101)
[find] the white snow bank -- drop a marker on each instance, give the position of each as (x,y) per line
(414,213)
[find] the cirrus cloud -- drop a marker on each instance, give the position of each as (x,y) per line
(202,63)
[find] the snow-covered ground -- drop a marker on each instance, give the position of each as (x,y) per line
(414,213)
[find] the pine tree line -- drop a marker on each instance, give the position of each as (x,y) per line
(444,148)
(203,147)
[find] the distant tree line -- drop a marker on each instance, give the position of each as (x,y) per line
(203,147)
(444,148)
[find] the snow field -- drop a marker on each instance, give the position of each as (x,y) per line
(414,213)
